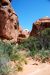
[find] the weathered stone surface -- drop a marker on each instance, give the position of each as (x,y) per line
(8,22)
(39,25)
(24,34)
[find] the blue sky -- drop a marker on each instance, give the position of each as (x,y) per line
(29,11)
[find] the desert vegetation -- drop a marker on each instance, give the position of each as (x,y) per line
(36,47)
(10,52)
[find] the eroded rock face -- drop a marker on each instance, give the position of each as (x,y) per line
(8,21)
(9,24)
(40,25)
(24,34)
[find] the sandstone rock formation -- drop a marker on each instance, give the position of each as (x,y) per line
(9,24)
(24,34)
(8,21)
(39,25)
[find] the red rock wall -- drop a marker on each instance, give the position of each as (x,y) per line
(8,22)
(38,27)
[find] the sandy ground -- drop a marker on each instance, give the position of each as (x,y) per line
(35,68)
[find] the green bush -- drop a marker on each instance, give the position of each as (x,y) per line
(34,46)
(4,68)
(45,38)
(37,45)
(8,52)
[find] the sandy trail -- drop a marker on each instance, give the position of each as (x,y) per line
(41,71)
(37,68)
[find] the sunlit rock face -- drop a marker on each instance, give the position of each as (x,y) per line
(24,34)
(8,21)
(39,25)
(9,24)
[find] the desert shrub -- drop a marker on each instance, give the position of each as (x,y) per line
(4,68)
(43,55)
(9,49)
(8,52)
(37,46)
(46,32)
(45,38)
(19,66)
(4,59)
(15,57)
(30,43)
(5,48)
